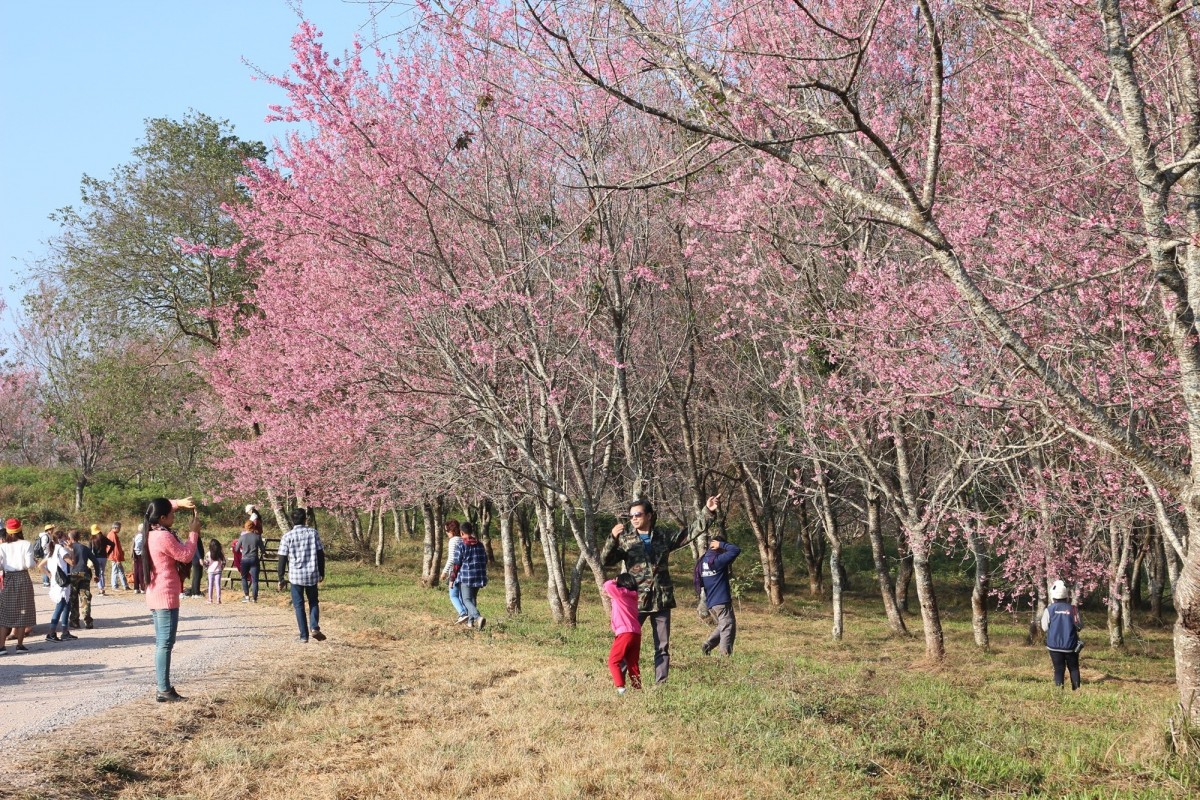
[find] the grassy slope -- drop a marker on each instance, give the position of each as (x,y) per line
(401,703)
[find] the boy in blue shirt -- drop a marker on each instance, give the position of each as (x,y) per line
(712,573)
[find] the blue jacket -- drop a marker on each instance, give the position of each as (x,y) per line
(712,572)
(1062,627)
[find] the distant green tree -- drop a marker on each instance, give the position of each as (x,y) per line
(127,255)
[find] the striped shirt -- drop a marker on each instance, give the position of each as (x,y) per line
(299,546)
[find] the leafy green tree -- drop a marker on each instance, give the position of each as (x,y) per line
(146,249)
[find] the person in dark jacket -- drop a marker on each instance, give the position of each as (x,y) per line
(645,551)
(712,574)
(1062,623)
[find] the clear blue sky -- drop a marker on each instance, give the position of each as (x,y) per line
(78,78)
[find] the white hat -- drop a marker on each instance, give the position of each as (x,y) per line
(250,509)
(1059,591)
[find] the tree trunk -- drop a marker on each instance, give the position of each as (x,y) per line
(277,509)
(904,572)
(80,482)
(1156,574)
(397,525)
(810,546)
(485,529)
(379,539)
(1118,542)
(979,593)
(557,592)
(886,590)
(931,620)
(762,524)
(512,584)
(430,568)
(526,534)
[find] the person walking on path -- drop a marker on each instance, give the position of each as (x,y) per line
(453,545)
(645,551)
(215,563)
(43,546)
(302,558)
(81,582)
(1062,624)
(17,610)
(626,652)
(468,570)
(58,565)
(712,575)
(139,549)
(101,548)
(254,552)
(117,557)
(161,554)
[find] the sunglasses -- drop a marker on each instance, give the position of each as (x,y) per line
(636,515)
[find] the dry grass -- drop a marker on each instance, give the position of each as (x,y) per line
(401,704)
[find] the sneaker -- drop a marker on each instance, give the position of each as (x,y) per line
(169,696)
(706,648)
(245,599)
(482,621)
(462,619)
(3,651)
(22,648)
(303,640)
(88,625)
(620,690)
(67,636)
(52,637)
(316,634)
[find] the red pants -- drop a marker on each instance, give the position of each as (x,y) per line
(626,649)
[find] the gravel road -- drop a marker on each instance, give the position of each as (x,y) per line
(57,684)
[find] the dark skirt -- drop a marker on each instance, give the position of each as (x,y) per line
(16,600)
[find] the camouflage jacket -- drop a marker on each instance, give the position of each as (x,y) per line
(649,564)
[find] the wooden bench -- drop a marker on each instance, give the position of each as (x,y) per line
(267,568)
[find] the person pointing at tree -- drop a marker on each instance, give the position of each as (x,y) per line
(646,550)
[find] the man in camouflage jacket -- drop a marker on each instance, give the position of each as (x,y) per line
(646,550)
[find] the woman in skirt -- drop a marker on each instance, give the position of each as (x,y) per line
(16,597)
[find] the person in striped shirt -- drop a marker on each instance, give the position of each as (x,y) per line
(453,546)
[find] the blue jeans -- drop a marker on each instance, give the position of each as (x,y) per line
(469,593)
(249,578)
(314,610)
(101,563)
(166,622)
(60,612)
(456,599)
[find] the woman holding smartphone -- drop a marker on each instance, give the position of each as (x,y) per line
(163,556)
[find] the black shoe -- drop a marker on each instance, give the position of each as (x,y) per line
(52,637)
(66,636)
(87,625)
(76,625)
(320,637)
(22,648)
(706,648)
(169,696)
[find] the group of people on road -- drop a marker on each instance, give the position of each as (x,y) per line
(162,561)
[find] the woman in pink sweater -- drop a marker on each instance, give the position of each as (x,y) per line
(625,655)
(160,554)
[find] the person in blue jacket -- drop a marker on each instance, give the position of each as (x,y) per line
(1062,623)
(712,574)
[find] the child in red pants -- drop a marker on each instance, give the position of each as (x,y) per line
(627,646)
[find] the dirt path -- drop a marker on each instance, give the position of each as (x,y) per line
(58,684)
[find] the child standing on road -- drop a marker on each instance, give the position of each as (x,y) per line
(215,563)
(626,649)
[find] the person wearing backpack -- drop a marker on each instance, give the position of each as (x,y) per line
(712,575)
(1062,623)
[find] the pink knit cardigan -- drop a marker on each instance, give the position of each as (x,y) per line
(164,586)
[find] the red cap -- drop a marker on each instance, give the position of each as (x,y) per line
(12,526)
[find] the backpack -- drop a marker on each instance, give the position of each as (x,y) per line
(61,578)
(39,550)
